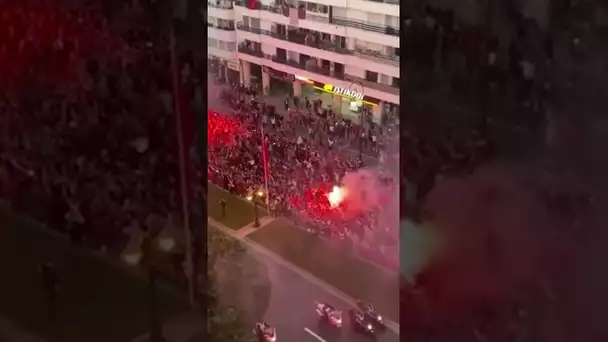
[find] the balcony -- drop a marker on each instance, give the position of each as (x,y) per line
(288,62)
(219,9)
(375,56)
(313,72)
(373,62)
(226,34)
(374,85)
(300,39)
(227,52)
(243,48)
(220,4)
(390,2)
(344,27)
(247,4)
(362,25)
(340,21)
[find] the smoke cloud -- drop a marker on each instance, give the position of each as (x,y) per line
(488,224)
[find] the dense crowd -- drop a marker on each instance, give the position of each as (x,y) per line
(303,160)
(513,75)
(45,44)
(96,160)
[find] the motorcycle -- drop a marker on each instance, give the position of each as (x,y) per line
(329,314)
(269,335)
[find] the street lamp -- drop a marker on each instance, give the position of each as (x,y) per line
(254,198)
(147,250)
(352,85)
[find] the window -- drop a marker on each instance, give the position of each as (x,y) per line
(225,24)
(211,42)
(223,45)
(376,19)
(318,8)
(371,76)
(338,69)
(292,55)
(384,79)
(392,21)
(395,82)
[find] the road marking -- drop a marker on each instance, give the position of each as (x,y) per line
(256,247)
(313,334)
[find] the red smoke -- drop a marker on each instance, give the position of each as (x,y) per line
(222,130)
(489,223)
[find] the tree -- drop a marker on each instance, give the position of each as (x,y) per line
(222,246)
(224,324)
(227,325)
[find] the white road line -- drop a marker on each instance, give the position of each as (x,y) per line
(313,334)
(298,270)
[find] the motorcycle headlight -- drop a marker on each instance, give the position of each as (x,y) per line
(369,327)
(379,317)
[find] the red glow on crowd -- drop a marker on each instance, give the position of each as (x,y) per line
(222,130)
(315,203)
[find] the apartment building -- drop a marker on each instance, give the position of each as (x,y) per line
(345,49)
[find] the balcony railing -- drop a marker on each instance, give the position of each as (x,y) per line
(375,85)
(362,25)
(392,2)
(317,18)
(250,51)
(284,10)
(243,3)
(376,56)
(318,70)
(294,64)
(297,39)
(220,4)
(302,66)
(232,28)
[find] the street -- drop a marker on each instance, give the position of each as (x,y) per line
(292,309)
(292,304)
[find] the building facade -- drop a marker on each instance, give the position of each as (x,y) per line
(345,49)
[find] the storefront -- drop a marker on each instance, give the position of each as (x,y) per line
(225,71)
(351,102)
(233,72)
(279,82)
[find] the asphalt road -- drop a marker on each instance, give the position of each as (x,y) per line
(291,309)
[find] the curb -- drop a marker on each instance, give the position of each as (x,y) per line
(376,265)
(301,272)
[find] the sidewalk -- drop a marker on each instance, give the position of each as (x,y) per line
(215,103)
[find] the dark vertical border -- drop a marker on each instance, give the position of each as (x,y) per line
(192,47)
(403,15)
(202,154)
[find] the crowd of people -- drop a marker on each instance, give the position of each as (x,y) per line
(96,160)
(46,44)
(303,159)
(515,76)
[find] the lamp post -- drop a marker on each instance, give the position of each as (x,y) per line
(254,198)
(147,251)
(352,88)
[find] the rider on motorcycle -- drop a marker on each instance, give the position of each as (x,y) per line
(265,332)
